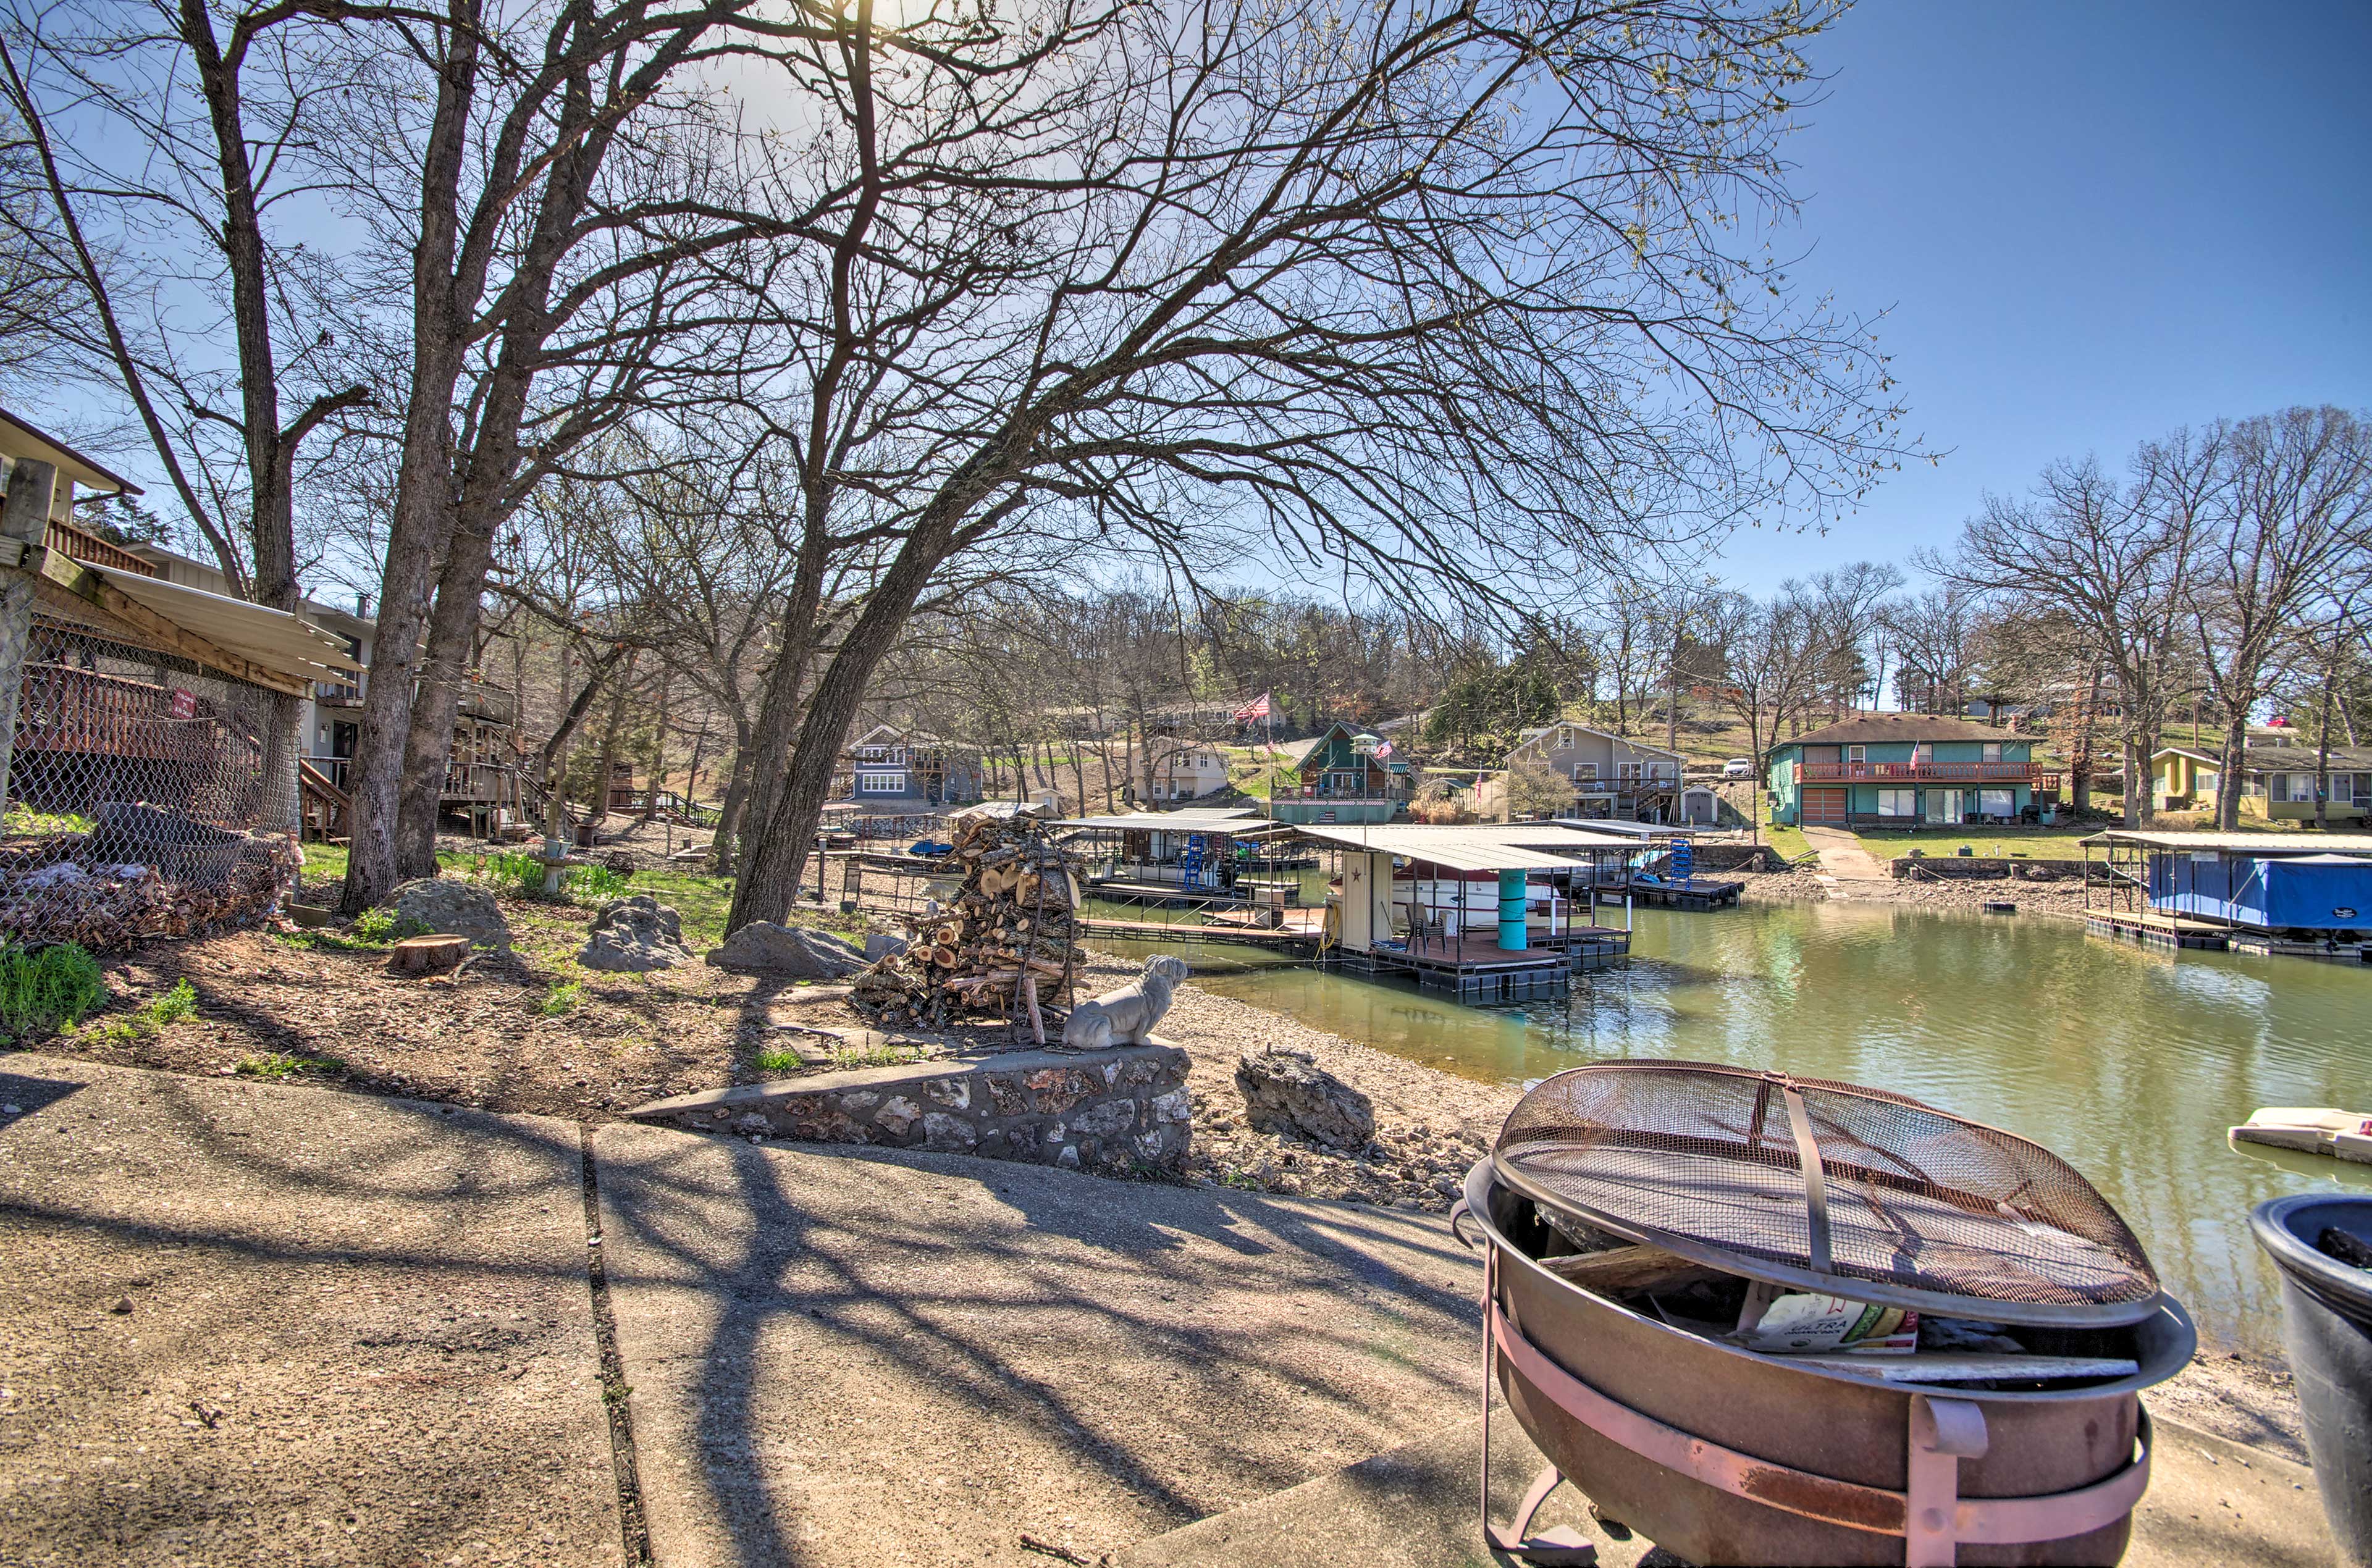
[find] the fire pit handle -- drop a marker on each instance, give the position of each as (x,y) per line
(1816,1182)
(1459,1214)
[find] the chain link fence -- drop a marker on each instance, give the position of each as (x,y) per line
(147,794)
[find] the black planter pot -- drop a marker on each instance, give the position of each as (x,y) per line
(2327,1307)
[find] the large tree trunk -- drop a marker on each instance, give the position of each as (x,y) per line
(2228,792)
(445,669)
(611,730)
(737,796)
(421,514)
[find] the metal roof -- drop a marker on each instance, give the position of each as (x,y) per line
(1484,846)
(1640,829)
(2241,844)
(1207,819)
(271,638)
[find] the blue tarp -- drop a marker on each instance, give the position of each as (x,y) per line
(2312,892)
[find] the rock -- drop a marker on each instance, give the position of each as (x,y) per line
(881,944)
(1286,1091)
(454,909)
(634,935)
(764,947)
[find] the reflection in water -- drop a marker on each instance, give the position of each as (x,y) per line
(2127,1062)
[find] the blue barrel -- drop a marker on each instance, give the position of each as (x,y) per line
(1511,912)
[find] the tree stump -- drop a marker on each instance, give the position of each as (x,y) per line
(427,955)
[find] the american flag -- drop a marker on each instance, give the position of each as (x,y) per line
(1256,709)
(1383,750)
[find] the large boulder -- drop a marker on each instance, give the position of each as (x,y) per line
(764,947)
(634,935)
(453,909)
(1286,1091)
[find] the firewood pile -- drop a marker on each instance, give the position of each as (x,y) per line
(48,896)
(1004,945)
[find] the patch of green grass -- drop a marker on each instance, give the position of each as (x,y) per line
(874,1055)
(22,818)
(562,999)
(595,885)
(176,1004)
(2035,843)
(1791,845)
(279,1065)
(45,991)
(774,1059)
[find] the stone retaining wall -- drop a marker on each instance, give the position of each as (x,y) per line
(1737,857)
(1124,1108)
(1982,868)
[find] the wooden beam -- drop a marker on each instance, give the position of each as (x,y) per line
(67,576)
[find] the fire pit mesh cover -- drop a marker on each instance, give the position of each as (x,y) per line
(1920,1204)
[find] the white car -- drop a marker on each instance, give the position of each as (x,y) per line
(1737,768)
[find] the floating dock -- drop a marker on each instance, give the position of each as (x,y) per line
(1686,893)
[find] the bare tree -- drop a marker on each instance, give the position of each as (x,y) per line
(1357,296)
(2289,517)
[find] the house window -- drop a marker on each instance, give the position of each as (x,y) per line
(1944,806)
(1565,738)
(1921,753)
(880,783)
(1993,751)
(2302,787)
(1626,771)
(1346,781)
(1897,802)
(1997,802)
(1856,753)
(1585,772)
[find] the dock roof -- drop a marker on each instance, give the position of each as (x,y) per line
(1193,819)
(1482,846)
(2241,844)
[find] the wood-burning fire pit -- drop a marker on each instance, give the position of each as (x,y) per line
(1646,1224)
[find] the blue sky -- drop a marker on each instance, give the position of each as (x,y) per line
(2090,224)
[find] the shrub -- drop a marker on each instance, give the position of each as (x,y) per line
(562,999)
(594,885)
(45,991)
(774,1059)
(515,872)
(179,1003)
(281,1065)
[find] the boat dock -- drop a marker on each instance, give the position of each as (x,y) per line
(1686,892)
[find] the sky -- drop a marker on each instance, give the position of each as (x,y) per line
(2088,223)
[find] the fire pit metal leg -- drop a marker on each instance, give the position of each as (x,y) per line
(1560,1547)
(1943,1432)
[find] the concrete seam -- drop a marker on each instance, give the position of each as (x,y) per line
(615,1390)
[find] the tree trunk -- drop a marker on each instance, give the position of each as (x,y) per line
(2228,794)
(610,732)
(444,672)
(735,801)
(421,512)
(2323,748)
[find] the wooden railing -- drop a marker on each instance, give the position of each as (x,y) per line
(88,548)
(1922,772)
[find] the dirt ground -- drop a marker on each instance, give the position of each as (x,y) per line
(535,1032)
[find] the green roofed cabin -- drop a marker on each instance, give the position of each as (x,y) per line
(1337,779)
(1900,769)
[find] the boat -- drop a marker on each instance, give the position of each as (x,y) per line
(2345,1134)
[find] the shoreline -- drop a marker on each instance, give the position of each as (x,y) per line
(1431,1126)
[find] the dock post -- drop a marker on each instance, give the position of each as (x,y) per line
(1512,935)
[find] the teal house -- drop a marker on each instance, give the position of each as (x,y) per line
(1902,770)
(1338,778)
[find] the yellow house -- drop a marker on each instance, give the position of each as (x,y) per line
(2183,780)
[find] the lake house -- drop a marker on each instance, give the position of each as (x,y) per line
(1613,775)
(2285,779)
(1183,769)
(1906,768)
(888,772)
(1337,778)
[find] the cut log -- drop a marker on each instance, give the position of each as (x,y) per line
(1629,1269)
(427,955)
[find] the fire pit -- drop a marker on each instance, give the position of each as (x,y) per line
(1661,1238)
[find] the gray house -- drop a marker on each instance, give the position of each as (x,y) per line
(1613,775)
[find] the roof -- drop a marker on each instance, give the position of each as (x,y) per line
(1525,738)
(2184,752)
(19,439)
(1636,829)
(1484,846)
(2301,759)
(1864,730)
(1204,820)
(271,639)
(2241,844)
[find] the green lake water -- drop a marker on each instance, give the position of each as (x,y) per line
(2127,1062)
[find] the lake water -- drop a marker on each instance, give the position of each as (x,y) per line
(2127,1062)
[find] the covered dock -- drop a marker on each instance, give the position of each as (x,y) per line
(1674,883)
(1157,856)
(1496,912)
(2304,894)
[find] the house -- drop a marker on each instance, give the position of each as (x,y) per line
(1182,769)
(1613,775)
(486,772)
(896,772)
(2283,776)
(1904,768)
(134,692)
(1343,775)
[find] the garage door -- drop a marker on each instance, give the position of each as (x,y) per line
(1825,806)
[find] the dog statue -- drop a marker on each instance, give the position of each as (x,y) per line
(1125,1016)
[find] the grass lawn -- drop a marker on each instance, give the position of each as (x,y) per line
(701,899)
(1791,845)
(2037,843)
